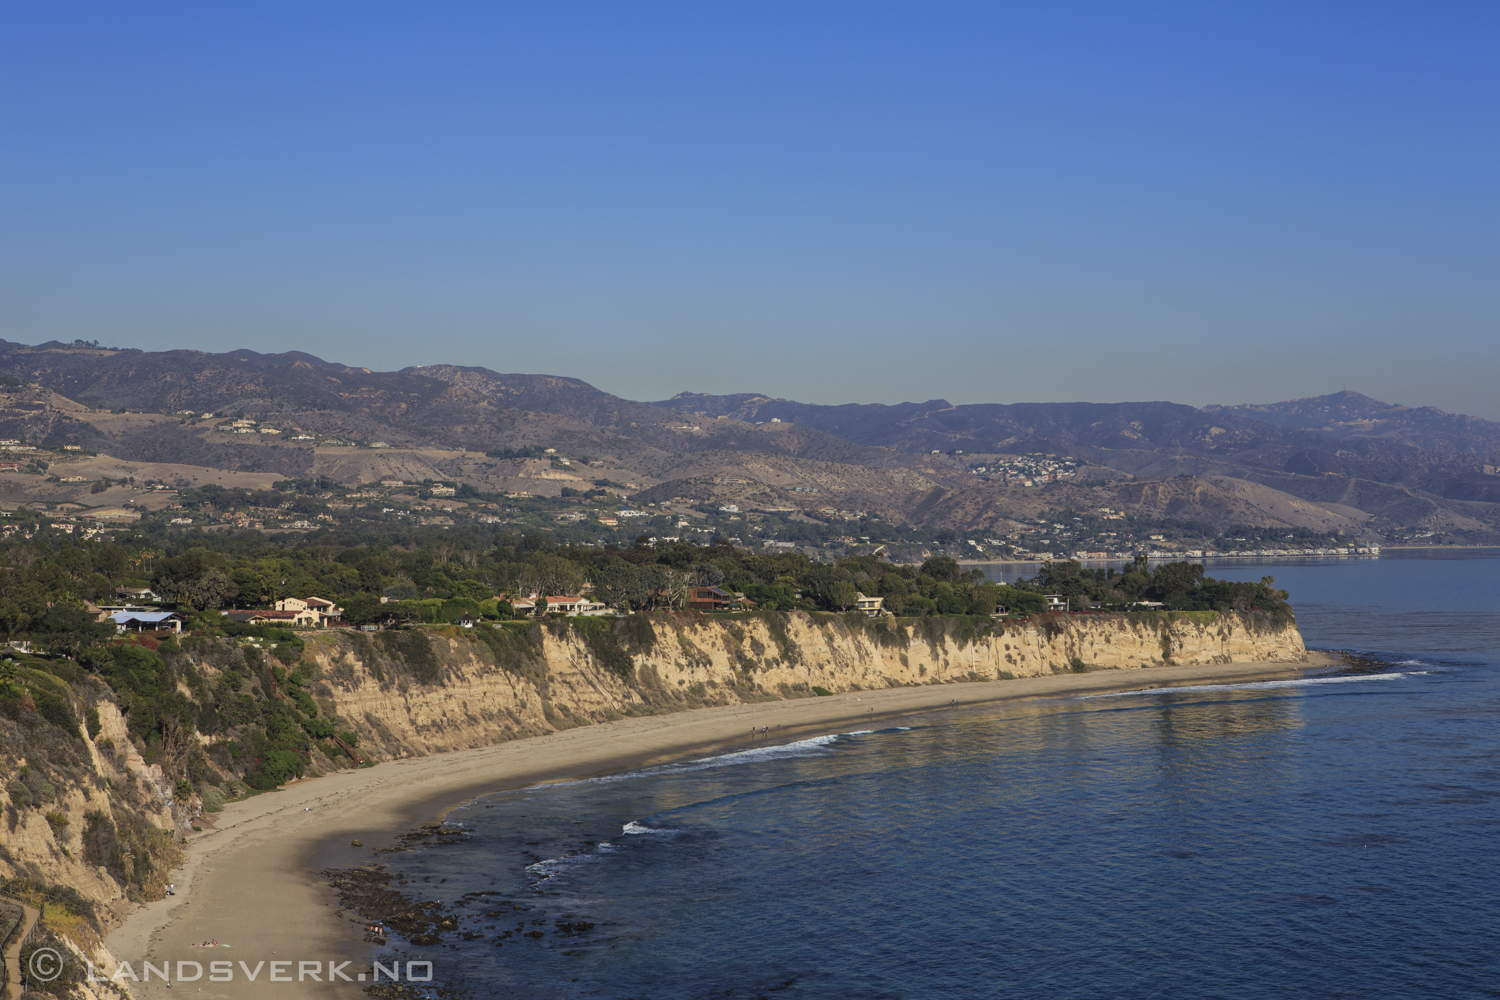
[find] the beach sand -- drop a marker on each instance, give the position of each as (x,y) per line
(251,881)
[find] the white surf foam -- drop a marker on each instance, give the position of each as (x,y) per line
(635,829)
(798,748)
(553,867)
(1253,685)
(794,749)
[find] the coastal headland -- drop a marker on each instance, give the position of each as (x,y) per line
(439,715)
(251,879)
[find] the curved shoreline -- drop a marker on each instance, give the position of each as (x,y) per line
(251,881)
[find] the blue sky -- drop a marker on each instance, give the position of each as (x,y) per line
(829,202)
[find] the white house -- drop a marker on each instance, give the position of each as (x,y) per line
(146,621)
(312,610)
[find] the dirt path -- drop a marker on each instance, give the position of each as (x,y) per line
(13,946)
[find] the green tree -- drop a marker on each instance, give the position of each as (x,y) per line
(190,579)
(843,595)
(69,630)
(942,568)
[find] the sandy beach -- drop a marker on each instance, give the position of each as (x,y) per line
(251,881)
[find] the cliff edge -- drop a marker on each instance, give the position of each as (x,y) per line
(458,688)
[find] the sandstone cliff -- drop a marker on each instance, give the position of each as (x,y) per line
(426,692)
(93,823)
(90,828)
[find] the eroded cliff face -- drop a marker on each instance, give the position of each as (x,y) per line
(85,812)
(90,828)
(475,691)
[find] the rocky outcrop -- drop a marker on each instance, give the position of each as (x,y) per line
(474,687)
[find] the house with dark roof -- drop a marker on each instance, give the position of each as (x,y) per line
(709,599)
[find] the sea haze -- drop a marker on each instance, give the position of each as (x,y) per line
(1325,837)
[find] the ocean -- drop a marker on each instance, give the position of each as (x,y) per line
(1334,836)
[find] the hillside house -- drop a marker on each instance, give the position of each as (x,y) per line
(305,618)
(244,617)
(566,604)
(709,599)
(874,607)
(138,594)
(146,621)
(325,612)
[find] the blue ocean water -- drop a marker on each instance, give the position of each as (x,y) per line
(1330,837)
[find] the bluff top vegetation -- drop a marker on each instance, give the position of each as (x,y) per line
(436,576)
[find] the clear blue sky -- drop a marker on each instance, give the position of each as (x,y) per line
(1203,202)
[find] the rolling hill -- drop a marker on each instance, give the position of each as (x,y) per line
(1342,462)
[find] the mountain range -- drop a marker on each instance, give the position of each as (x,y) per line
(1341,462)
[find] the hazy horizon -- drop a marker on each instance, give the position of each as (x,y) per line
(836,402)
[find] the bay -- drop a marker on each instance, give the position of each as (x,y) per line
(1329,837)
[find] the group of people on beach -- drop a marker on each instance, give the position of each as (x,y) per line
(763,730)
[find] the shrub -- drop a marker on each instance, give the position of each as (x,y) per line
(59,823)
(277,767)
(637,634)
(515,646)
(602,637)
(413,649)
(55,709)
(288,652)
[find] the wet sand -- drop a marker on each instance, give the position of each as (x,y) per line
(252,882)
